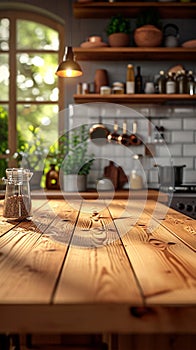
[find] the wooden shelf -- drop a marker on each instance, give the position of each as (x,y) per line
(131,9)
(135,53)
(136,98)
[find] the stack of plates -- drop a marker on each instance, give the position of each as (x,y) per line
(189,44)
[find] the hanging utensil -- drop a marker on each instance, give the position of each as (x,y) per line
(123,139)
(134,140)
(99,133)
(113,136)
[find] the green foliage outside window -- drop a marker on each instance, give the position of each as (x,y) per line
(3,139)
(35,81)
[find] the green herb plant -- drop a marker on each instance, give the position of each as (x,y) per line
(118,24)
(71,153)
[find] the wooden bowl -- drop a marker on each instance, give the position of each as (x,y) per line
(148,36)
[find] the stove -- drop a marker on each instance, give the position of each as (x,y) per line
(183,199)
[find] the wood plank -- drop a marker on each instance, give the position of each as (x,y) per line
(131,9)
(94,318)
(6,225)
(98,291)
(156,341)
(136,53)
(178,224)
(93,194)
(134,98)
(154,251)
(31,257)
(96,252)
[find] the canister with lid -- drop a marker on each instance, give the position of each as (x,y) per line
(118,88)
(17,203)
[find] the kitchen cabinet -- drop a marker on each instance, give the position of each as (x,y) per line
(131,9)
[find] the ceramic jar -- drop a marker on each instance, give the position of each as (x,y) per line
(100,79)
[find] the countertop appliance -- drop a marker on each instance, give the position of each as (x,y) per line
(183,199)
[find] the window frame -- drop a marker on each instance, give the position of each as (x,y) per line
(13,15)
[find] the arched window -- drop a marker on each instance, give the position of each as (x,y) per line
(30,45)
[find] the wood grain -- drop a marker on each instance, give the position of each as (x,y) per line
(154,251)
(115,266)
(96,252)
(31,259)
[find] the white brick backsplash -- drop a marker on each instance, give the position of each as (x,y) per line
(189,150)
(162,160)
(175,150)
(189,124)
(188,161)
(172,124)
(189,176)
(182,136)
(153,176)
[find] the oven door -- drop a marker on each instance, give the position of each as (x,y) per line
(184,203)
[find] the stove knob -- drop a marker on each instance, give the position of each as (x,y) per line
(189,207)
(180,206)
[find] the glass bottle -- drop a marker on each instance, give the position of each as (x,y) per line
(17,203)
(52,178)
(130,80)
(161,82)
(138,81)
(170,84)
(190,83)
(136,176)
(182,82)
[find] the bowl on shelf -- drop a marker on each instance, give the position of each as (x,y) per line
(189,44)
(148,36)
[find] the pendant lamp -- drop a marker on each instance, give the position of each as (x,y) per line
(69,68)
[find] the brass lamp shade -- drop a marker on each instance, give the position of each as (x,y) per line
(69,67)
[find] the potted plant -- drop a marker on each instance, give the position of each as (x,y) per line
(72,157)
(31,154)
(118,31)
(148,31)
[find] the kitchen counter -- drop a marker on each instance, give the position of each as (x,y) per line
(90,266)
(93,194)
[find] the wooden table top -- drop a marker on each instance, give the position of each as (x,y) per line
(98,266)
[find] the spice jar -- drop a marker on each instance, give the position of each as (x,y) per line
(118,88)
(17,203)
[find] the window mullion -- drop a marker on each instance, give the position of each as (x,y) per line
(12,115)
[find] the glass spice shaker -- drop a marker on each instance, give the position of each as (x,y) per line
(17,203)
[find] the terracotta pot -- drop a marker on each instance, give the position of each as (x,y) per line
(101,79)
(148,36)
(119,39)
